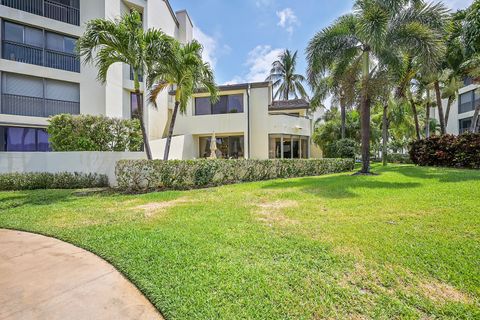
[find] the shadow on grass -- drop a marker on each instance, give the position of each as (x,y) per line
(339,187)
(10,200)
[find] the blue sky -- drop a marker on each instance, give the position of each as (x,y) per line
(243,37)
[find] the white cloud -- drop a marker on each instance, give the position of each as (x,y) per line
(458,4)
(287,20)
(210,46)
(264,3)
(259,63)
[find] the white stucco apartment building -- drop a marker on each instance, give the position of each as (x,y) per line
(41,76)
(462,109)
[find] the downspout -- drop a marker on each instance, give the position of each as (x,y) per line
(248,120)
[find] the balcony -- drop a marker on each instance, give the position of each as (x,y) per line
(40,57)
(36,107)
(288,124)
(48,8)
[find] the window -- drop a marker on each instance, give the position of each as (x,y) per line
(23,34)
(225,104)
(464,125)
(288,147)
(134,114)
(23,139)
(60,43)
(37,97)
(227,147)
(467,101)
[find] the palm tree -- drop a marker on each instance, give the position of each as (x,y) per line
(375,29)
(285,79)
(187,72)
(124,40)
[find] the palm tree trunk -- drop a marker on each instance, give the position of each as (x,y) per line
(415,118)
(365,114)
(343,115)
(447,112)
(385,134)
(170,131)
(440,108)
(474,128)
(427,116)
(146,142)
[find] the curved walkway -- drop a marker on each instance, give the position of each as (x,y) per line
(44,278)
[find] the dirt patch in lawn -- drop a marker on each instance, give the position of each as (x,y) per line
(271,212)
(152,209)
(442,292)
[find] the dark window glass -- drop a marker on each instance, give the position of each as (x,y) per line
(466,102)
(203,106)
(134,105)
(235,103)
(34,37)
(464,125)
(42,140)
(227,147)
(21,139)
(13,32)
(235,147)
(70,45)
(221,106)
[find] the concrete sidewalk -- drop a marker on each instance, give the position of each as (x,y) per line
(44,278)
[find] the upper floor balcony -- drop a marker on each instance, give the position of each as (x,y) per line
(67,11)
(42,48)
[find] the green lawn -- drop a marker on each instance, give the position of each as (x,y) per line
(403,244)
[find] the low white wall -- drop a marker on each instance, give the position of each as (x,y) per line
(86,162)
(181,148)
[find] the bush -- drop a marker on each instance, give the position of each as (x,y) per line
(399,158)
(345,148)
(144,175)
(461,151)
(43,180)
(94,133)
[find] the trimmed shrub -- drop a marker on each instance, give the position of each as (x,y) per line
(346,148)
(44,180)
(461,151)
(145,175)
(94,133)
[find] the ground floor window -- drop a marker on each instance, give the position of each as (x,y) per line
(288,147)
(231,147)
(23,139)
(464,125)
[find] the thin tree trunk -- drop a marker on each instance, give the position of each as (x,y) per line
(170,131)
(415,118)
(146,142)
(343,115)
(385,135)
(474,128)
(427,116)
(440,108)
(447,112)
(365,115)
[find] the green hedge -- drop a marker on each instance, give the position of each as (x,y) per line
(144,175)
(43,180)
(94,133)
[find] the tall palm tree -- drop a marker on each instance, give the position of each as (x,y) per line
(187,72)
(285,79)
(124,40)
(376,28)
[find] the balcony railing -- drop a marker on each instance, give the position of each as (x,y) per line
(62,60)
(22,53)
(47,8)
(38,56)
(36,107)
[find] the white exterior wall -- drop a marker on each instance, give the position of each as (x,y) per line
(455,117)
(55,162)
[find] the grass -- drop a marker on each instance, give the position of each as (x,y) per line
(403,244)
